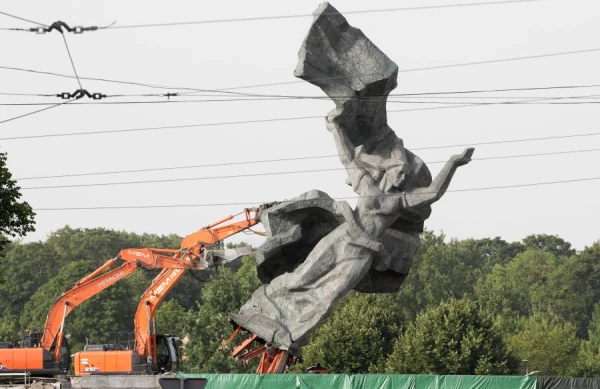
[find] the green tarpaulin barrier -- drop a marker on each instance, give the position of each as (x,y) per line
(567,383)
(361,381)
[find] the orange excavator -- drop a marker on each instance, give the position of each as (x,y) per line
(151,352)
(48,354)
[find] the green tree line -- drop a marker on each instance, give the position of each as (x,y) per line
(473,306)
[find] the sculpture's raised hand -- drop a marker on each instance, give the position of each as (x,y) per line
(464,158)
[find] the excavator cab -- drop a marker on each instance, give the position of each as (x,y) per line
(65,356)
(31,339)
(64,364)
(167,353)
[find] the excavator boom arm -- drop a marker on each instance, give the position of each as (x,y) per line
(216,232)
(162,284)
(173,263)
(97,281)
(75,296)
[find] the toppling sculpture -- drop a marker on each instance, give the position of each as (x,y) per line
(318,249)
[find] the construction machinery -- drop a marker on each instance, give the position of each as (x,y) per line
(47,353)
(151,352)
(272,359)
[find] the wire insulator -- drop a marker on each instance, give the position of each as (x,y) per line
(81,93)
(59,26)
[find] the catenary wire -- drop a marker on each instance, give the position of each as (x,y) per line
(531,100)
(22,19)
(34,112)
(279,173)
(287,99)
(259,18)
(433,94)
(391,95)
(248,121)
(71,59)
(228,89)
(27,94)
(335,198)
(447,100)
(276,17)
(305,158)
(430,67)
(54,74)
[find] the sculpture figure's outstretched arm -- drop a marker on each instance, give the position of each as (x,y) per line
(432,193)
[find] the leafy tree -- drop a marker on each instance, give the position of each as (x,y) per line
(547,342)
(552,243)
(26,266)
(95,245)
(16,217)
(513,290)
(170,318)
(443,270)
(9,328)
(206,328)
(578,287)
(541,294)
(357,337)
(588,359)
(414,293)
(537,281)
(452,338)
(492,252)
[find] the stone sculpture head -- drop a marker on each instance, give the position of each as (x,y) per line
(393,178)
(387,163)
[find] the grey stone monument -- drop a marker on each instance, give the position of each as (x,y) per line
(318,249)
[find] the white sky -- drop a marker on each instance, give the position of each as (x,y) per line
(225,55)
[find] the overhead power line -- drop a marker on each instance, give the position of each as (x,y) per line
(27,94)
(23,19)
(79,30)
(71,59)
(335,198)
(448,66)
(245,175)
(263,18)
(506,141)
(278,17)
(315,157)
(61,27)
(529,100)
(158,128)
(431,94)
(52,105)
(61,75)
(260,96)
(34,112)
(229,89)
(255,121)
